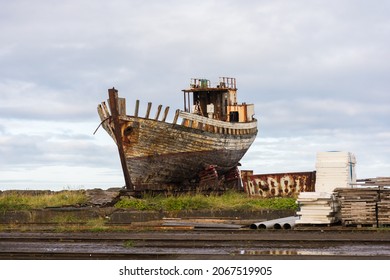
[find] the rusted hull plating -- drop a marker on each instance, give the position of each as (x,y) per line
(279,184)
(160,154)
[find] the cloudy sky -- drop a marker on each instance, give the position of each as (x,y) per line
(318,73)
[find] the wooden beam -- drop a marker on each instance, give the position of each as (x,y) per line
(165,114)
(122,106)
(148,110)
(176,116)
(136,108)
(158,112)
(113,99)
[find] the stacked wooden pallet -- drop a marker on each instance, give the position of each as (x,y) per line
(378,181)
(384,207)
(317,208)
(379,185)
(358,206)
(334,170)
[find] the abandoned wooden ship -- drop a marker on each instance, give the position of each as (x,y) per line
(201,147)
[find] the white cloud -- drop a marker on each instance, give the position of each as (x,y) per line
(316,71)
(298,154)
(27,100)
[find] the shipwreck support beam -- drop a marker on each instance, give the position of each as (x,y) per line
(113,99)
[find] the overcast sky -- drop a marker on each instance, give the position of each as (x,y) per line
(317,72)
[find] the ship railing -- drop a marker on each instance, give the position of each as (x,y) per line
(187,119)
(215,126)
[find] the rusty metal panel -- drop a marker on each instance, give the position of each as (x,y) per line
(278,184)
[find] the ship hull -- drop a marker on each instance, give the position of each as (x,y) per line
(161,153)
(193,148)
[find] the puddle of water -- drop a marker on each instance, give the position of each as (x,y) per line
(289,252)
(357,250)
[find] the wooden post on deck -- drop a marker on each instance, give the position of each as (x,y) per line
(176,116)
(158,112)
(148,110)
(113,101)
(165,114)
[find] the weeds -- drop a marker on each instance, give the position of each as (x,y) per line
(132,203)
(97,225)
(228,201)
(129,243)
(21,201)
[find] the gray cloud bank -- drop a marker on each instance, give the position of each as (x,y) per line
(317,72)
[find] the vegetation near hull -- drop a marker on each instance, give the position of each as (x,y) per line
(14,200)
(26,212)
(230,200)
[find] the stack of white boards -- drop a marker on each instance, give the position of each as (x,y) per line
(317,208)
(334,170)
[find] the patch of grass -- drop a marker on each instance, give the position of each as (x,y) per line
(132,203)
(22,201)
(276,203)
(129,243)
(97,225)
(184,202)
(228,201)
